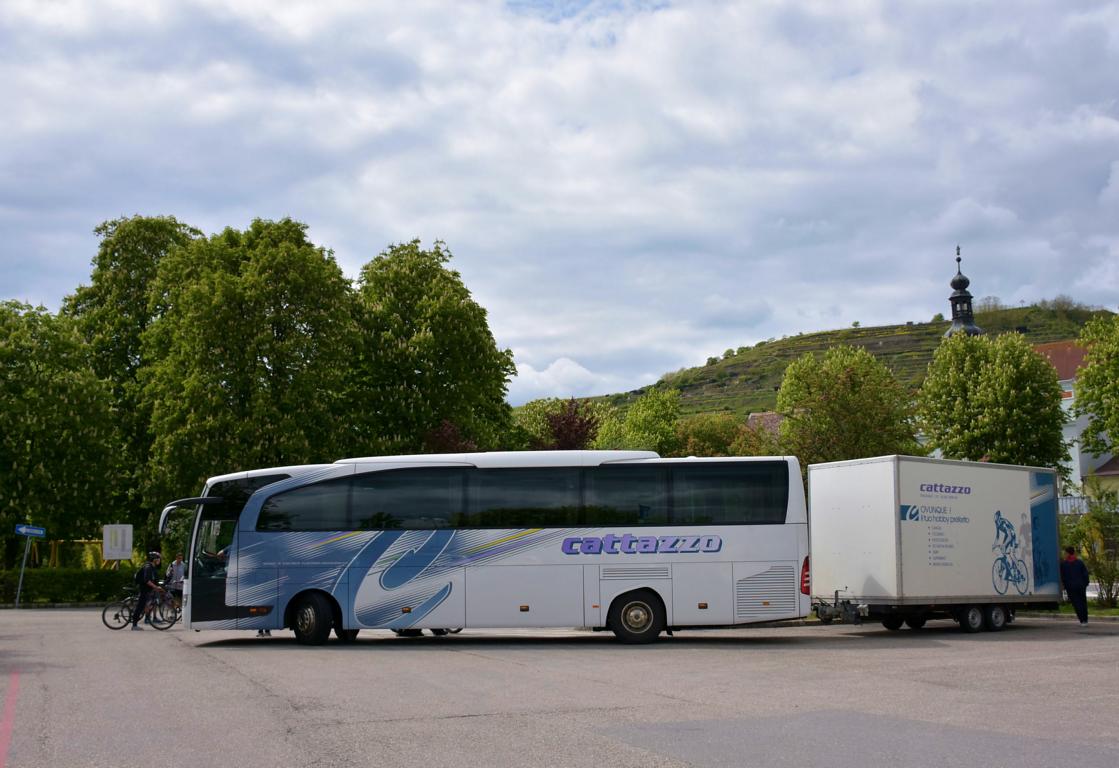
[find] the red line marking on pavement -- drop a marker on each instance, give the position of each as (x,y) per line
(9,718)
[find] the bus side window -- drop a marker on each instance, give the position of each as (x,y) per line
(729,493)
(626,495)
(410,499)
(317,507)
(535,497)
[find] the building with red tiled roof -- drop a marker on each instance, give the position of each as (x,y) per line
(1067,357)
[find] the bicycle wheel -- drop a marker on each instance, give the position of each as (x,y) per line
(163,615)
(999,577)
(1023,580)
(116,615)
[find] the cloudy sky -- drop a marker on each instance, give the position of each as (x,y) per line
(627,187)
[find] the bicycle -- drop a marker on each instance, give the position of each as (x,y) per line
(163,615)
(118,614)
(166,610)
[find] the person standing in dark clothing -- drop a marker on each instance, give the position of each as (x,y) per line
(1074,577)
(146,578)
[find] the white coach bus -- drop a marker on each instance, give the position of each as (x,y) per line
(618,540)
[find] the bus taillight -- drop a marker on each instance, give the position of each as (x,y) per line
(804,578)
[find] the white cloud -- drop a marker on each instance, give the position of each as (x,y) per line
(633,186)
(562,377)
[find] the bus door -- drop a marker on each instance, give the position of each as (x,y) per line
(214,549)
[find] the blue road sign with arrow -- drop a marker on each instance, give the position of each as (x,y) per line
(30,530)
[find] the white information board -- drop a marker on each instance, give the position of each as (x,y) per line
(117,542)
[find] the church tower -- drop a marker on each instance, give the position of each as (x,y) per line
(963,320)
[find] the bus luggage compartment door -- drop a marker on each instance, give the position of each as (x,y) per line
(524,596)
(701,594)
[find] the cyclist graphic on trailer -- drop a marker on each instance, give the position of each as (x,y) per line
(1005,529)
(1008,568)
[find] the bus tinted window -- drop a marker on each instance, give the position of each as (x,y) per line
(235,493)
(729,493)
(626,495)
(407,498)
(316,507)
(537,497)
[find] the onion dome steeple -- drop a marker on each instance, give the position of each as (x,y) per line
(963,320)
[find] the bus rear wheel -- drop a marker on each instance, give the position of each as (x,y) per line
(636,617)
(312,620)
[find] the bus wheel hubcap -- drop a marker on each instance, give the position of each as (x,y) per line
(306,620)
(636,617)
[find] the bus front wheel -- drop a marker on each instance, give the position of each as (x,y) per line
(637,617)
(313,619)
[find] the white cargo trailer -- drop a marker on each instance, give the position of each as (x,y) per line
(902,540)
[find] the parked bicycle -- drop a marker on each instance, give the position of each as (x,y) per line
(165,610)
(118,614)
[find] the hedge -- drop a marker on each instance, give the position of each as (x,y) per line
(64,585)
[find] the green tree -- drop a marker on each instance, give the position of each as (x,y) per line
(112,313)
(427,353)
(57,428)
(995,399)
(708,434)
(1096,535)
(573,427)
(843,405)
(249,351)
(553,423)
(649,424)
(755,441)
(1097,385)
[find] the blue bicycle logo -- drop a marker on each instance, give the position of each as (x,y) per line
(1008,568)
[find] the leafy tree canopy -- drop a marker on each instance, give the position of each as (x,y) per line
(114,309)
(649,424)
(112,313)
(995,399)
(843,405)
(557,424)
(427,354)
(57,428)
(710,434)
(251,345)
(1097,385)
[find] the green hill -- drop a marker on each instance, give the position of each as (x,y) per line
(747,380)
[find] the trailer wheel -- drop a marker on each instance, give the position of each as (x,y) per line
(994,616)
(915,622)
(893,623)
(825,620)
(971,619)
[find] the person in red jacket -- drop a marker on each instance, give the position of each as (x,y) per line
(1074,578)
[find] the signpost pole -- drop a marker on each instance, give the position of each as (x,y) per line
(22,568)
(26,531)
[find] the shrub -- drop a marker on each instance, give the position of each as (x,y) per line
(64,585)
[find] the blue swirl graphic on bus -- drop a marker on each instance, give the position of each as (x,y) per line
(413,562)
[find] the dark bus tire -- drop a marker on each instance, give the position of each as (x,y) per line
(312,619)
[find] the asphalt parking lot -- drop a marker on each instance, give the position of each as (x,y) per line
(1042,693)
